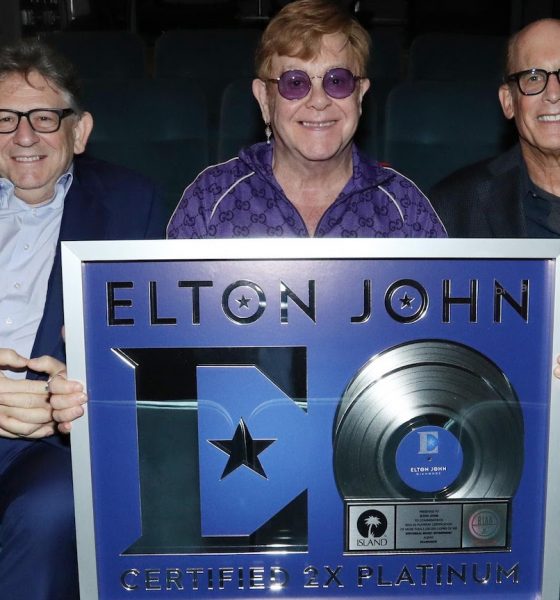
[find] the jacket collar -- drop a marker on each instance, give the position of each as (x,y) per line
(501,195)
(83,219)
(366,173)
(84,215)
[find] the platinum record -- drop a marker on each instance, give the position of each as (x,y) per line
(429,419)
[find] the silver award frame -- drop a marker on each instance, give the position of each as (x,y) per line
(76,256)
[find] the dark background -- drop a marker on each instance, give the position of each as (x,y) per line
(150,18)
(169,81)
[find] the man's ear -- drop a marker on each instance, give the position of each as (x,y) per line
(364,85)
(506,100)
(261,94)
(82,130)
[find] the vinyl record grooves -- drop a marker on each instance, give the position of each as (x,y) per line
(428,383)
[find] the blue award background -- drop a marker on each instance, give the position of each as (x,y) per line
(336,349)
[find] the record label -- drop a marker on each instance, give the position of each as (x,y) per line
(429,459)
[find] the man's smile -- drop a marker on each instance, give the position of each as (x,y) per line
(27,159)
(317,124)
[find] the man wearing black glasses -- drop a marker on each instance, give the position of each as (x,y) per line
(48,192)
(516,194)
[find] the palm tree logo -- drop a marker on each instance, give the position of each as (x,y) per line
(372,524)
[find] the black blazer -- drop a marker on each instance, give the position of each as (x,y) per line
(483,200)
(104,202)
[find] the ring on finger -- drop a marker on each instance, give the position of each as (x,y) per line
(47,388)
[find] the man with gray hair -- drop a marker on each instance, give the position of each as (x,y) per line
(516,194)
(49,192)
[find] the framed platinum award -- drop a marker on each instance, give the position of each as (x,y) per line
(316,418)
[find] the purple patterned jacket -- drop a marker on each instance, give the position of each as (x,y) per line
(241,198)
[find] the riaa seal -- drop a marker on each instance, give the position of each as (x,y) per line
(484,524)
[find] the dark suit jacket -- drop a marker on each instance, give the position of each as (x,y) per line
(104,202)
(483,200)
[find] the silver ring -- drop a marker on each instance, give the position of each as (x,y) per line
(47,389)
(53,376)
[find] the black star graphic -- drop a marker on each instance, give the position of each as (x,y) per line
(406,301)
(244,302)
(242,450)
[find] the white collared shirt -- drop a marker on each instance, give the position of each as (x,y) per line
(28,238)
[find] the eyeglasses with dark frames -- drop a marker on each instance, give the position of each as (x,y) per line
(295,84)
(532,81)
(41,120)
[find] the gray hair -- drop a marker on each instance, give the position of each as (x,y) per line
(26,56)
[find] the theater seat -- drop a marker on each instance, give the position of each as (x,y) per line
(456,57)
(155,127)
(212,57)
(102,54)
(241,123)
(218,55)
(433,128)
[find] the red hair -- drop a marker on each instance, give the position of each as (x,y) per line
(298,29)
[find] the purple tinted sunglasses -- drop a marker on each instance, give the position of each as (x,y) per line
(338,83)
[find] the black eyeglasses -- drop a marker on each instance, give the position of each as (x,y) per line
(338,83)
(41,120)
(532,81)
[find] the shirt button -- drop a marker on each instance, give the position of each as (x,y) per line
(26,247)
(9,321)
(17,285)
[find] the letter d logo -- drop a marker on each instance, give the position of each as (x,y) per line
(429,442)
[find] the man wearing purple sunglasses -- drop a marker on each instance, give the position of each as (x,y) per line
(308,179)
